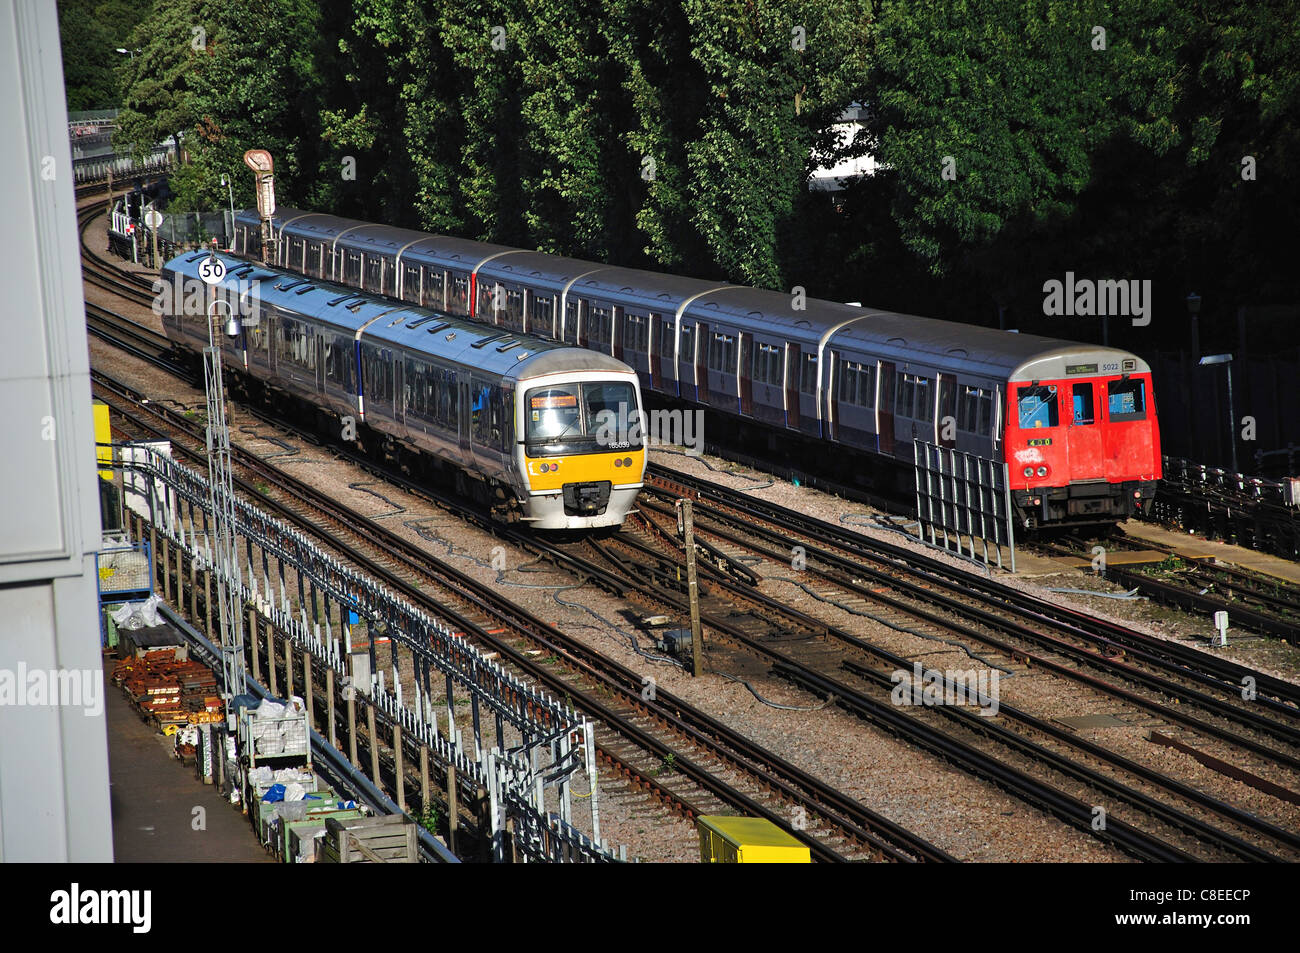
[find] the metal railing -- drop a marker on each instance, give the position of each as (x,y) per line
(175,500)
(962,497)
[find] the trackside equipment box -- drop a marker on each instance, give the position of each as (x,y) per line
(747,840)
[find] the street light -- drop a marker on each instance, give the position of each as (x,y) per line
(1232,419)
(1194,308)
(126,52)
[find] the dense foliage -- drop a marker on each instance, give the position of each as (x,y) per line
(1140,139)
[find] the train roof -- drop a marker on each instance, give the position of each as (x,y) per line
(891,335)
(491,349)
(369,237)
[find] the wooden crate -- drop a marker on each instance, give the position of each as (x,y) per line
(384,840)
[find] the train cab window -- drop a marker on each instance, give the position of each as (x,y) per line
(1084,413)
(1037,407)
(552,412)
(611,413)
(1126,400)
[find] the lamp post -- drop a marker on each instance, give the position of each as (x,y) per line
(126,52)
(1232,419)
(221,494)
(1194,309)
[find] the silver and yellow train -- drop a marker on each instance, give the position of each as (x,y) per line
(540,431)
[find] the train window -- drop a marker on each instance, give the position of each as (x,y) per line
(906,395)
(666,334)
(1037,407)
(924,409)
(338,360)
(722,353)
(637,335)
(486,414)
(857,383)
(374,273)
(352,268)
(1126,400)
(975,411)
(542,317)
(767,364)
(1083,405)
(688,344)
(808,374)
(411,283)
(514,309)
(458,300)
(377,371)
(432,295)
(598,327)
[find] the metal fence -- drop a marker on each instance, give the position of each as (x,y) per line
(175,498)
(963,500)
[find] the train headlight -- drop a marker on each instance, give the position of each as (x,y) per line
(618,462)
(627,461)
(1042,471)
(546,468)
(1029,471)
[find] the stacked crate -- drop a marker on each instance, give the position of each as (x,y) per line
(170,691)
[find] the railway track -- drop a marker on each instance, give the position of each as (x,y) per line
(777,645)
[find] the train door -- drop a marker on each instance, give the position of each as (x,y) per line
(885,408)
(832,394)
(945,423)
(1085,454)
(399,387)
(702,362)
(792,365)
(616,331)
(654,345)
(744,374)
(462,427)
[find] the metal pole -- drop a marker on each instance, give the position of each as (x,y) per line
(693,587)
(1232,421)
(221,499)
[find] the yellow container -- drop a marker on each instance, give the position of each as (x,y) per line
(747,840)
(103,437)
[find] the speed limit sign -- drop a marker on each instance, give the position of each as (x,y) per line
(211,270)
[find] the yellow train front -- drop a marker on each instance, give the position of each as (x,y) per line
(581,454)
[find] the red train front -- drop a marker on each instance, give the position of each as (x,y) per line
(1083,444)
